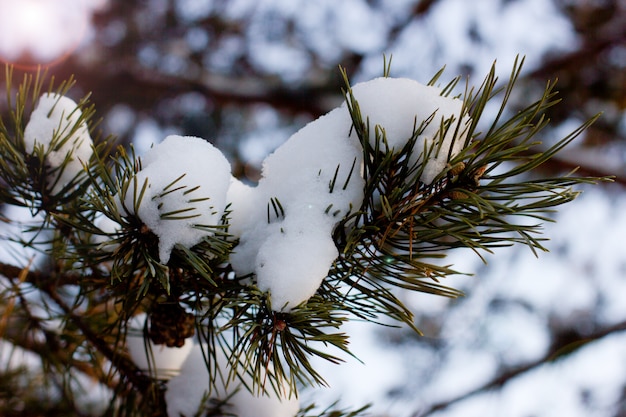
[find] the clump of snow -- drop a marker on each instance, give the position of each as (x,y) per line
(186,391)
(90,396)
(186,180)
(400,105)
(55,125)
(309,184)
(313,181)
(159,361)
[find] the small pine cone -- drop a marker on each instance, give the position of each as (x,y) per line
(170,325)
(458,195)
(457,168)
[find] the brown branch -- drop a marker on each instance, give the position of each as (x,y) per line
(11,302)
(12,271)
(142,88)
(423,7)
(613,33)
(18,322)
(566,342)
(52,345)
(47,284)
(41,279)
(126,367)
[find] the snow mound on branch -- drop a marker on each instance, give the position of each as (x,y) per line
(285,224)
(309,184)
(55,125)
(186,180)
(313,181)
(400,105)
(158,361)
(185,392)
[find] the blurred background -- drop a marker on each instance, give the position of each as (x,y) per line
(535,336)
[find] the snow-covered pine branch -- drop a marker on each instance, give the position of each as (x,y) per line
(316,176)
(57,131)
(216,277)
(179,193)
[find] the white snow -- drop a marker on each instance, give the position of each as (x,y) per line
(186,391)
(187,180)
(288,244)
(55,125)
(400,105)
(107,227)
(313,181)
(159,361)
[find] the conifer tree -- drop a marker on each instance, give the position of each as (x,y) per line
(177,289)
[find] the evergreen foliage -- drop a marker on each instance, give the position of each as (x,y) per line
(72,304)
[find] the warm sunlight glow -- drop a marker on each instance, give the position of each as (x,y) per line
(42,31)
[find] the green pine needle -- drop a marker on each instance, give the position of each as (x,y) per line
(489,196)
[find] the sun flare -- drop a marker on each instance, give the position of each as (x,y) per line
(43,31)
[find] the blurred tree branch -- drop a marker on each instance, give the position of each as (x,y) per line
(565,342)
(22,329)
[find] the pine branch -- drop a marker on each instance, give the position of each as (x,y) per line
(54,349)
(395,240)
(131,377)
(472,204)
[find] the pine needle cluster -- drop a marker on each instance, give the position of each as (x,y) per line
(73,286)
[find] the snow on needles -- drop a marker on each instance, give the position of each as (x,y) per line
(308,185)
(55,125)
(186,391)
(285,224)
(313,181)
(400,106)
(180,192)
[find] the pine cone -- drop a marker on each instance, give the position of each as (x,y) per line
(170,325)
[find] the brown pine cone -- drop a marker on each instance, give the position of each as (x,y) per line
(170,324)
